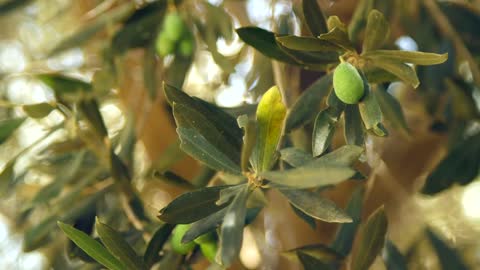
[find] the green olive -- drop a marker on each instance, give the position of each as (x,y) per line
(163,45)
(209,250)
(173,26)
(176,239)
(185,47)
(348,83)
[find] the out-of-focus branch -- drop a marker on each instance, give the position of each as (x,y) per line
(447,29)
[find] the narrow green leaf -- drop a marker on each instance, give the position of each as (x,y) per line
(376,32)
(371,240)
(192,206)
(308,177)
(308,219)
(270,120)
(403,71)
(311,263)
(308,104)
(316,206)
(8,126)
(228,193)
(414,57)
(448,257)
(344,155)
(12,5)
(460,166)
(204,226)
(150,71)
(249,139)
(335,105)
(335,22)
(320,252)
(391,110)
(7,175)
(155,245)
(311,44)
(295,156)
(323,131)
(370,110)
(39,234)
(231,232)
(65,86)
(394,260)
(115,243)
(346,233)
(353,131)
(378,75)
(359,19)
(314,17)
(91,110)
(264,41)
(339,38)
(39,110)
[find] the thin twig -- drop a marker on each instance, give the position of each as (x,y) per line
(447,29)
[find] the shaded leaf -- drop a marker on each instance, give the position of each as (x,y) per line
(346,233)
(370,110)
(115,243)
(377,75)
(376,32)
(353,130)
(308,219)
(371,240)
(359,19)
(270,121)
(192,206)
(394,260)
(460,166)
(7,176)
(316,206)
(231,232)
(403,71)
(295,156)
(65,86)
(414,57)
(323,131)
(320,252)
(249,139)
(91,110)
(311,44)
(204,226)
(8,126)
(12,5)
(39,110)
(150,72)
(175,179)
(391,110)
(314,17)
(311,263)
(448,257)
(228,193)
(308,104)
(338,37)
(93,248)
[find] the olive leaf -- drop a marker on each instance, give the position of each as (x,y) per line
(413,57)
(38,110)
(339,38)
(353,130)
(376,32)
(311,44)
(270,121)
(370,110)
(323,131)
(249,139)
(8,127)
(314,17)
(448,257)
(403,71)
(320,252)
(295,157)
(391,110)
(394,260)
(156,243)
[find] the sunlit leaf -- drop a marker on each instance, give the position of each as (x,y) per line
(414,57)
(403,71)
(192,206)
(323,131)
(353,130)
(376,32)
(115,243)
(316,206)
(448,257)
(339,38)
(394,260)
(344,155)
(335,22)
(270,121)
(391,110)
(295,156)
(38,110)
(371,240)
(93,248)
(311,44)
(8,126)
(314,17)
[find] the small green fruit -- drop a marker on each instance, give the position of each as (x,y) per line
(163,45)
(176,239)
(185,47)
(173,26)
(348,83)
(209,250)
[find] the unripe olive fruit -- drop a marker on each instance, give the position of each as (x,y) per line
(347,83)
(185,47)
(176,239)
(209,250)
(173,26)
(163,45)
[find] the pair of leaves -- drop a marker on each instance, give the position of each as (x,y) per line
(118,254)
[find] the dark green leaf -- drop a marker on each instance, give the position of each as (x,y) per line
(323,132)
(155,245)
(91,110)
(93,248)
(448,257)
(311,263)
(64,86)
(295,156)
(308,219)
(265,42)
(403,71)
(354,134)
(414,57)
(38,235)
(460,166)
(192,206)
(320,252)
(231,232)
(391,110)
(370,110)
(344,155)
(339,38)
(359,19)
(346,233)
(335,106)
(314,17)
(394,260)
(7,176)
(8,126)
(371,240)
(316,206)
(270,121)
(308,104)
(11,5)
(311,44)
(39,110)
(249,139)
(322,174)
(377,31)
(204,226)
(150,72)
(228,193)
(115,243)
